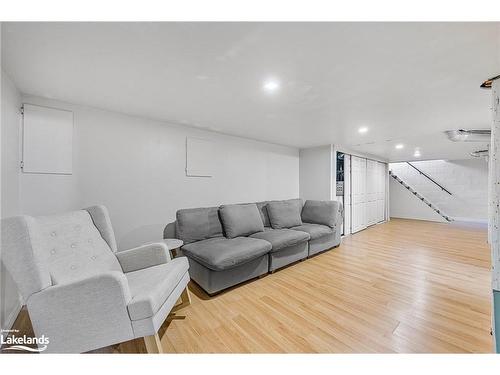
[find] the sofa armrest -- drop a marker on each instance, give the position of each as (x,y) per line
(83,315)
(169,231)
(328,213)
(143,256)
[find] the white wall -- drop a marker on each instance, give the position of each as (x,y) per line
(467,180)
(403,204)
(136,167)
(10,126)
(316,173)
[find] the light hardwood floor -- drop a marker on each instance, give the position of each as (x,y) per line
(404,286)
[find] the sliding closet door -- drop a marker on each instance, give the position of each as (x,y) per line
(358,193)
(381,188)
(371,191)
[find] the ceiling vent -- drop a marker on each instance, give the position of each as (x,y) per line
(474,135)
(479,154)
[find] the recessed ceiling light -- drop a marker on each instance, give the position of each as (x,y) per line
(399,146)
(271,85)
(417,154)
(362,130)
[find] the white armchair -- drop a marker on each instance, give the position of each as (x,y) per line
(80,292)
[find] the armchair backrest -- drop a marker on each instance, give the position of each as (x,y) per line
(49,250)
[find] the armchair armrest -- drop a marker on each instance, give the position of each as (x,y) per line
(84,314)
(143,256)
(328,213)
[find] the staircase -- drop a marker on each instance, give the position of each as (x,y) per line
(416,194)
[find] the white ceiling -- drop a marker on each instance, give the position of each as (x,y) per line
(407,82)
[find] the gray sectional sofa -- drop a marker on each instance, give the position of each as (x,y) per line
(230,244)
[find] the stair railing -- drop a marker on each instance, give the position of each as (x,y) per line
(429,178)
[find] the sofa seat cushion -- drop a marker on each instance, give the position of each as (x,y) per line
(281,238)
(240,219)
(220,254)
(151,287)
(315,230)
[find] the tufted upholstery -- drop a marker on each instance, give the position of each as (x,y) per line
(72,247)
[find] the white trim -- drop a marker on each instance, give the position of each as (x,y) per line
(469,220)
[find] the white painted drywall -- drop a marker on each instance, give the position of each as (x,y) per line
(405,205)
(467,180)
(136,167)
(316,173)
(10,140)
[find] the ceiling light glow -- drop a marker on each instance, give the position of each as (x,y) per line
(271,85)
(362,130)
(399,146)
(417,154)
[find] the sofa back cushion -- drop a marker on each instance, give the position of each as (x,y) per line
(196,224)
(241,219)
(285,214)
(262,206)
(320,212)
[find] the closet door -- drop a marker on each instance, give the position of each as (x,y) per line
(371,191)
(381,178)
(358,193)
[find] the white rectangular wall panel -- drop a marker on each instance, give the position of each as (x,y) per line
(47,140)
(199,157)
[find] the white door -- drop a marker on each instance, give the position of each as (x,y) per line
(358,193)
(381,179)
(371,191)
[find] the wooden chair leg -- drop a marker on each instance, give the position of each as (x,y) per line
(185,300)
(186,297)
(153,344)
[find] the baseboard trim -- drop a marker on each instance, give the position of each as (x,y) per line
(468,220)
